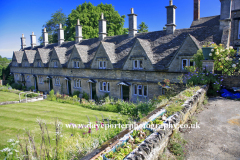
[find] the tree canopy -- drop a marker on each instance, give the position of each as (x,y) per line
(4,69)
(142,28)
(88,14)
(53,24)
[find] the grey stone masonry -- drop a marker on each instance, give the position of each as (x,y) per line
(23,42)
(33,40)
(45,37)
(171,18)
(78,36)
(132,23)
(102,27)
(208,65)
(196,15)
(60,35)
(225,17)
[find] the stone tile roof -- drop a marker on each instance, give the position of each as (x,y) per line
(30,55)
(44,54)
(18,55)
(160,47)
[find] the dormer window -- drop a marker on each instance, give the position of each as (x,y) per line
(26,64)
(55,64)
(102,64)
(39,64)
(137,64)
(76,64)
(187,62)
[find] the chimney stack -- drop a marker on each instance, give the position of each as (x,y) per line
(78,28)
(23,42)
(196,9)
(132,24)
(60,35)
(171,20)
(45,37)
(102,28)
(225,17)
(33,40)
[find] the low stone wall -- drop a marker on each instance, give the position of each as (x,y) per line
(9,102)
(154,145)
(231,81)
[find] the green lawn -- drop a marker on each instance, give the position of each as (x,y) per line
(8,96)
(14,118)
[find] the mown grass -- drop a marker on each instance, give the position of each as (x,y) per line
(18,118)
(8,96)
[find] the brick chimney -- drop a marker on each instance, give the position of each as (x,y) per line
(45,37)
(171,18)
(78,28)
(102,27)
(132,24)
(196,9)
(23,42)
(33,40)
(60,35)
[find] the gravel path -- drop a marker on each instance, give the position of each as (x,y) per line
(219,135)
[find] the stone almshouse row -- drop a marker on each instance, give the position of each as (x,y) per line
(125,66)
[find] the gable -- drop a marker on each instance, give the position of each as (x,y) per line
(104,53)
(188,48)
(54,58)
(75,57)
(139,52)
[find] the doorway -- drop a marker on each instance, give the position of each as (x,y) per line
(125,93)
(50,84)
(36,84)
(93,91)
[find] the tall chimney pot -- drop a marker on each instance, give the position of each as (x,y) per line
(33,40)
(45,37)
(78,29)
(132,23)
(102,27)
(171,18)
(196,8)
(23,42)
(60,35)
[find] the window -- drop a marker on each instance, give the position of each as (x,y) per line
(137,64)
(16,76)
(163,91)
(239,30)
(191,62)
(16,64)
(76,64)
(145,90)
(26,64)
(28,79)
(140,90)
(102,64)
(40,79)
(104,86)
(57,82)
(135,89)
(77,83)
(184,63)
(39,64)
(55,64)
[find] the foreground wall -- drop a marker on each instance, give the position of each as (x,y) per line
(114,77)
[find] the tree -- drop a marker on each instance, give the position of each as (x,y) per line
(88,14)
(52,26)
(142,28)
(4,68)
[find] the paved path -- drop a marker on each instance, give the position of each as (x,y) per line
(219,135)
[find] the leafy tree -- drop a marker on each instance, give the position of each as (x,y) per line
(53,24)
(88,14)
(142,28)
(4,68)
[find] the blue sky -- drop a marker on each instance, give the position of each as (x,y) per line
(27,16)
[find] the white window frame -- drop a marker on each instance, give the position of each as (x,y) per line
(57,81)
(138,64)
(104,64)
(28,79)
(140,89)
(108,87)
(100,65)
(144,90)
(186,63)
(17,77)
(76,64)
(16,64)
(239,29)
(77,83)
(40,79)
(26,65)
(105,87)
(100,86)
(55,64)
(104,84)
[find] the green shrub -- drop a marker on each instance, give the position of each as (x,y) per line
(85,96)
(76,93)
(32,88)
(173,108)
(51,96)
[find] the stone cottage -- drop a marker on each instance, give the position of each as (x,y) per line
(129,66)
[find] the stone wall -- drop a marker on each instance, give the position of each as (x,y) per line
(148,78)
(231,81)
(235,28)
